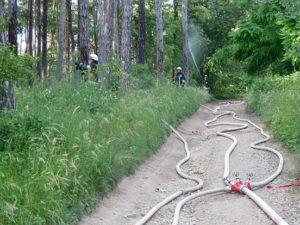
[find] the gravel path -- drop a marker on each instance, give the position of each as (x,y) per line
(156,179)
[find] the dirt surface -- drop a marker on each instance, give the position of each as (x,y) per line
(157,179)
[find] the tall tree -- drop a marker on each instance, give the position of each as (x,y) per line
(175,16)
(30,26)
(44,38)
(2,24)
(126,34)
(101,34)
(109,28)
(70,27)
(61,39)
(185,63)
(142,33)
(117,44)
(159,37)
(83,30)
(7,96)
(12,27)
(39,36)
(95,21)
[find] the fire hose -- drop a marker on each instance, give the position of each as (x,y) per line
(238,186)
(179,171)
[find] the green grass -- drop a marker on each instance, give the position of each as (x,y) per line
(67,145)
(277,101)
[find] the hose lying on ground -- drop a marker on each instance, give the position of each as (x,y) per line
(179,171)
(242,186)
(243,189)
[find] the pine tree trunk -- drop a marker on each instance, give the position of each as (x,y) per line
(12,27)
(61,39)
(30,26)
(160,38)
(95,18)
(175,9)
(39,37)
(109,28)
(7,97)
(70,19)
(142,33)
(117,44)
(185,66)
(2,26)
(101,33)
(44,38)
(84,32)
(126,35)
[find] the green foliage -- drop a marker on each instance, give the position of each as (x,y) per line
(230,85)
(276,99)
(257,38)
(14,67)
(227,77)
(141,76)
(290,34)
(75,141)
(16,129)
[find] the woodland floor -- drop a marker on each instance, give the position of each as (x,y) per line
(157,178)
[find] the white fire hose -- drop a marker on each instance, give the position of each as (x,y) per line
(240,186)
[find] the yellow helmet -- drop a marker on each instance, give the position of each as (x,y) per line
(178,68)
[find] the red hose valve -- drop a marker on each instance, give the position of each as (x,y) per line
(237,187)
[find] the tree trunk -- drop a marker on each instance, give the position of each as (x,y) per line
(101,33)
(44,38)
(70,19)
(39,37)
(61,39)
(2,25)
(7,97)
(117,44)
(95,20)
(142,33)
(30,26)
(175,9)
(185,63)
(126,34)
(159,36)
(12,27)
(83,31)
(109,28)
(67,53)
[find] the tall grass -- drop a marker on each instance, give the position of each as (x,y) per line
(70,143)
(276,100)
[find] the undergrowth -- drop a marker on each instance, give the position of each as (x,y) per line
(70,143)
(276,100)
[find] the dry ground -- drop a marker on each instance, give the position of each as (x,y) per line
(156,179)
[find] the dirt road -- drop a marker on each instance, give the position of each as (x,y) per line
(156,179)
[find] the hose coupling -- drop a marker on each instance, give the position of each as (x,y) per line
(237,176)
(238,186)
(249,176)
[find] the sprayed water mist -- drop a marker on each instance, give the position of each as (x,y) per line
(197,46)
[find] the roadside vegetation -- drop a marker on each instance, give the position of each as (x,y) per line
(276,100)
(68,144)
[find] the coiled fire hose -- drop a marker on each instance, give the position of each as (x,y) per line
(179,171)
(240,186)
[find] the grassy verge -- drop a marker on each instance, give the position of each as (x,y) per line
(69,144)
(276,100)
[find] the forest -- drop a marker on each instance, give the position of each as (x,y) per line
(70,129)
